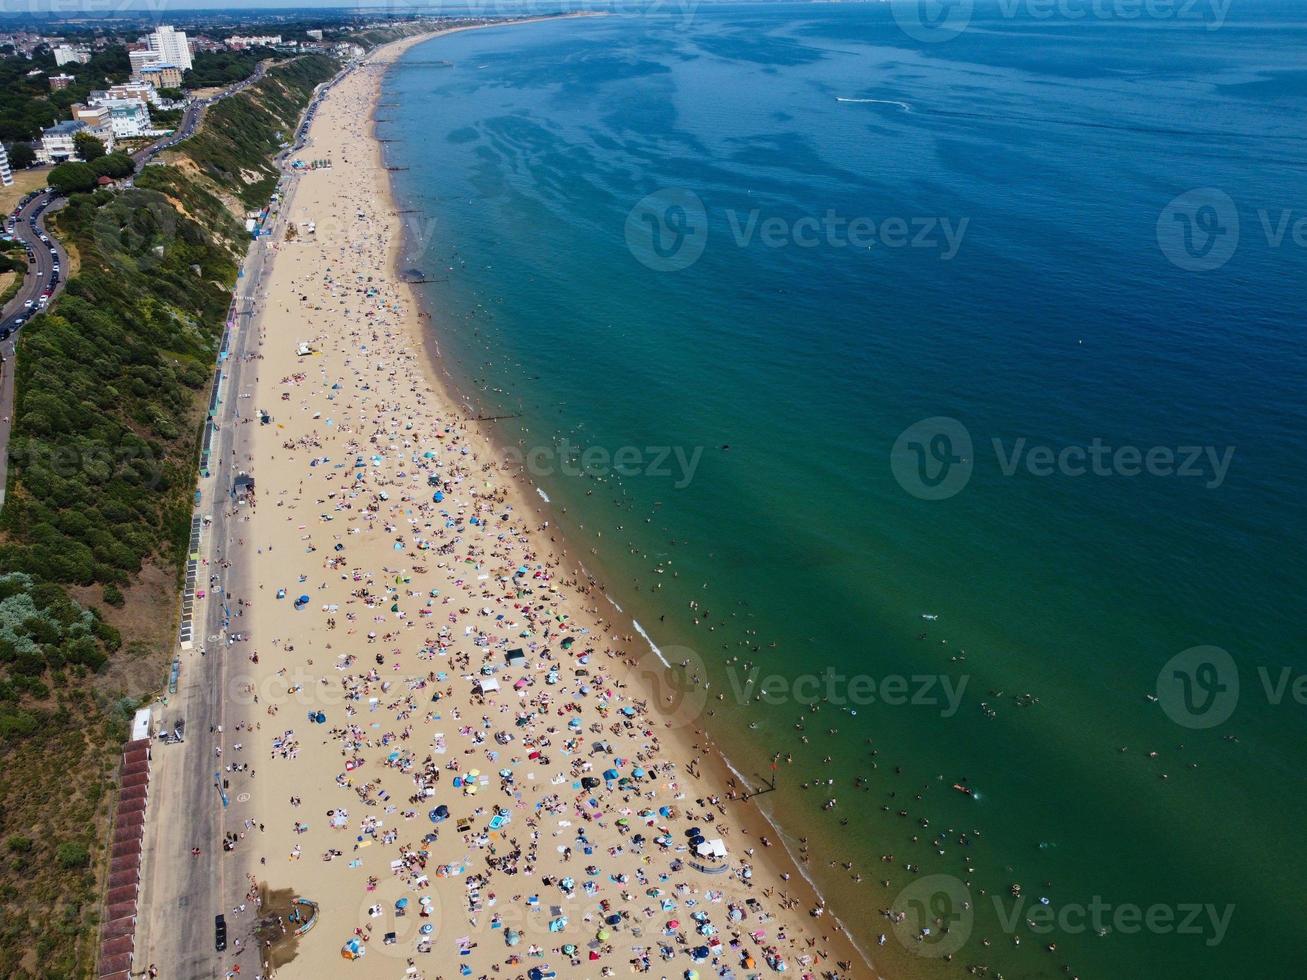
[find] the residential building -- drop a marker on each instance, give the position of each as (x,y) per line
(128,118)
(59,82)
(98,121)
(314,34)
(127,90)
(66,53)
(6,172)
(171,47)
(162,76)
(254,41)
(142,59)
(120,113)
(56,144)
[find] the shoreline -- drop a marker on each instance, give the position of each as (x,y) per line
(428,341)
(423,352)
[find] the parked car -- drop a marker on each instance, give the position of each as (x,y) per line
(219,932)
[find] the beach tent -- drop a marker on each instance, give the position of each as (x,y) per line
(712,848)
(486,685)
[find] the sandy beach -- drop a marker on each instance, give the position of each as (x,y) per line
(447,741)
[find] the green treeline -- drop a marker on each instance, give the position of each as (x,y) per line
(218,69)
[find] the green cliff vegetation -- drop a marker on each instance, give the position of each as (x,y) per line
(242,135)
(111,389)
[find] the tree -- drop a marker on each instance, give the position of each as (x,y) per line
(88,147)
(69,178)
(22,156)
(115,165)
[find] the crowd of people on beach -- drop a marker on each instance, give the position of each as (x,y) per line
(459,735)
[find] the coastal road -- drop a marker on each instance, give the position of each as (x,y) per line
(46,254)
(193,117)
(29,228)
(182,892)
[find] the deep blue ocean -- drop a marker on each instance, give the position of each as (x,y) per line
(932,380)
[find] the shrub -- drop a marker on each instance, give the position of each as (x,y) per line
(72,854)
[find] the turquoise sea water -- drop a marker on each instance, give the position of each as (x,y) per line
(1068,231)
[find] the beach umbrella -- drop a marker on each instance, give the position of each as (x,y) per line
(569,949)
(613,919)
(610,774)
(602,935)
(699,954)
(401,903)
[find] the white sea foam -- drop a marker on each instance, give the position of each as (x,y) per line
(652,645)
(902,105)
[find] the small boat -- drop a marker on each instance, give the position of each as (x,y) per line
(964,790)
(930,616)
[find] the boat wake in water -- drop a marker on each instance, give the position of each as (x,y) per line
(902,105)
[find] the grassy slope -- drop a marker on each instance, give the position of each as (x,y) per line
(111,385)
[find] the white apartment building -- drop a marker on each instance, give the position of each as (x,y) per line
(120,113)
(6,172)
(128,118)
(142,60)
(171,47)
(65,53)
(254,41)
(56,144)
